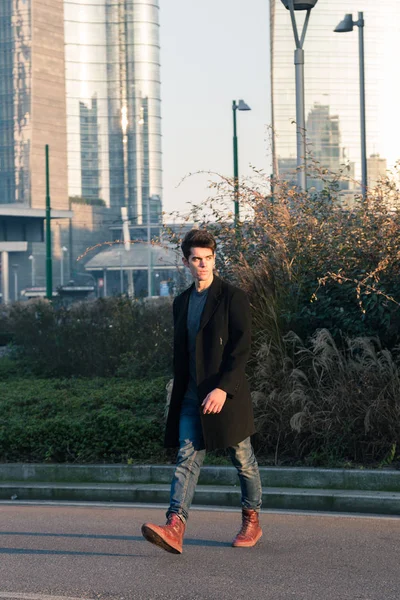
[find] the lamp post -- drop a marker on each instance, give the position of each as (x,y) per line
(63,249)
(49,261)
(293,5)
(32,259)
(344,26)
(241,105)
(149,249)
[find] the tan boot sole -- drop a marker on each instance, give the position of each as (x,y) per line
(155,538)
(247,544)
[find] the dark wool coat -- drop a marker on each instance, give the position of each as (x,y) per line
(222,351)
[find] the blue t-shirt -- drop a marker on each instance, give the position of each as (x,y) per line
(197,302)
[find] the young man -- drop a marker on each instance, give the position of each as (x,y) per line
(210,403)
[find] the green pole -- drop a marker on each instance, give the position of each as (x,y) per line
(49,270)
(235,166)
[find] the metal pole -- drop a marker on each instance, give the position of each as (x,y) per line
(15,283)
(70,244)
(33,269)
(300,119)
(105,283)
(235,166)
(300,104)
(149,273)
(121,274)
(5,277)
(62,266)
(364,175)
(49,270)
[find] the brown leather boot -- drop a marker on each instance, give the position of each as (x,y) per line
(250,531)
(169,537)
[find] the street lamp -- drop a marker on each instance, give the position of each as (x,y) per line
(63,249)
(293,5)
(240,106)
(32,259)
(344,26)
(149,251)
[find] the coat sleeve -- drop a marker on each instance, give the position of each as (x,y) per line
(237,350)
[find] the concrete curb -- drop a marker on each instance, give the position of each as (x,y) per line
(384,503)
(290,477)
(328,490)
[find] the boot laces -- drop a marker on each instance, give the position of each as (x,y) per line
(174,521)
(246,524)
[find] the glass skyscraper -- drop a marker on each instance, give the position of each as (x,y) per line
(15,102)
(332,100)
(113,103)
(32,102)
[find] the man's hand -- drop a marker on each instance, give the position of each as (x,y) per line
(214,402)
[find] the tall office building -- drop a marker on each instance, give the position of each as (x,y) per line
(32,114)
(84,77)
(377,169)
(32,102)
(113,104)
(332,100)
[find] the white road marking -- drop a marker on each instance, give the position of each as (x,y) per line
(17,596)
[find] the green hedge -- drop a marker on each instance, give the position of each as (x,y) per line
(80,420)
(111,336)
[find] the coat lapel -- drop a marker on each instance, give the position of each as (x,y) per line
(181,328)
(213,299)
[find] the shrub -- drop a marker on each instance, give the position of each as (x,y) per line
(323,405)
(321,263)
(75,420)
(105,337)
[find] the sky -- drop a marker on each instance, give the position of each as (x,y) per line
(212,52)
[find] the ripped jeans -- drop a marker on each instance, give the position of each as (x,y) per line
(190,459)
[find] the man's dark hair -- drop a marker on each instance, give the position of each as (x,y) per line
(198,238)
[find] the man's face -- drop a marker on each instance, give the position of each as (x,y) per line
(201,263)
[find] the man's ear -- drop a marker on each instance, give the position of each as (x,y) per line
(185,261)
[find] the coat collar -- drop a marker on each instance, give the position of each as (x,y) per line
(213,299)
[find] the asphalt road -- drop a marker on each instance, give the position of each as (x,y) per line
(87,552)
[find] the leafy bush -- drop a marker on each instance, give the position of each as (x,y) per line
(322,263)
(106,337)
(11,368)
(322,405)
(77,420)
